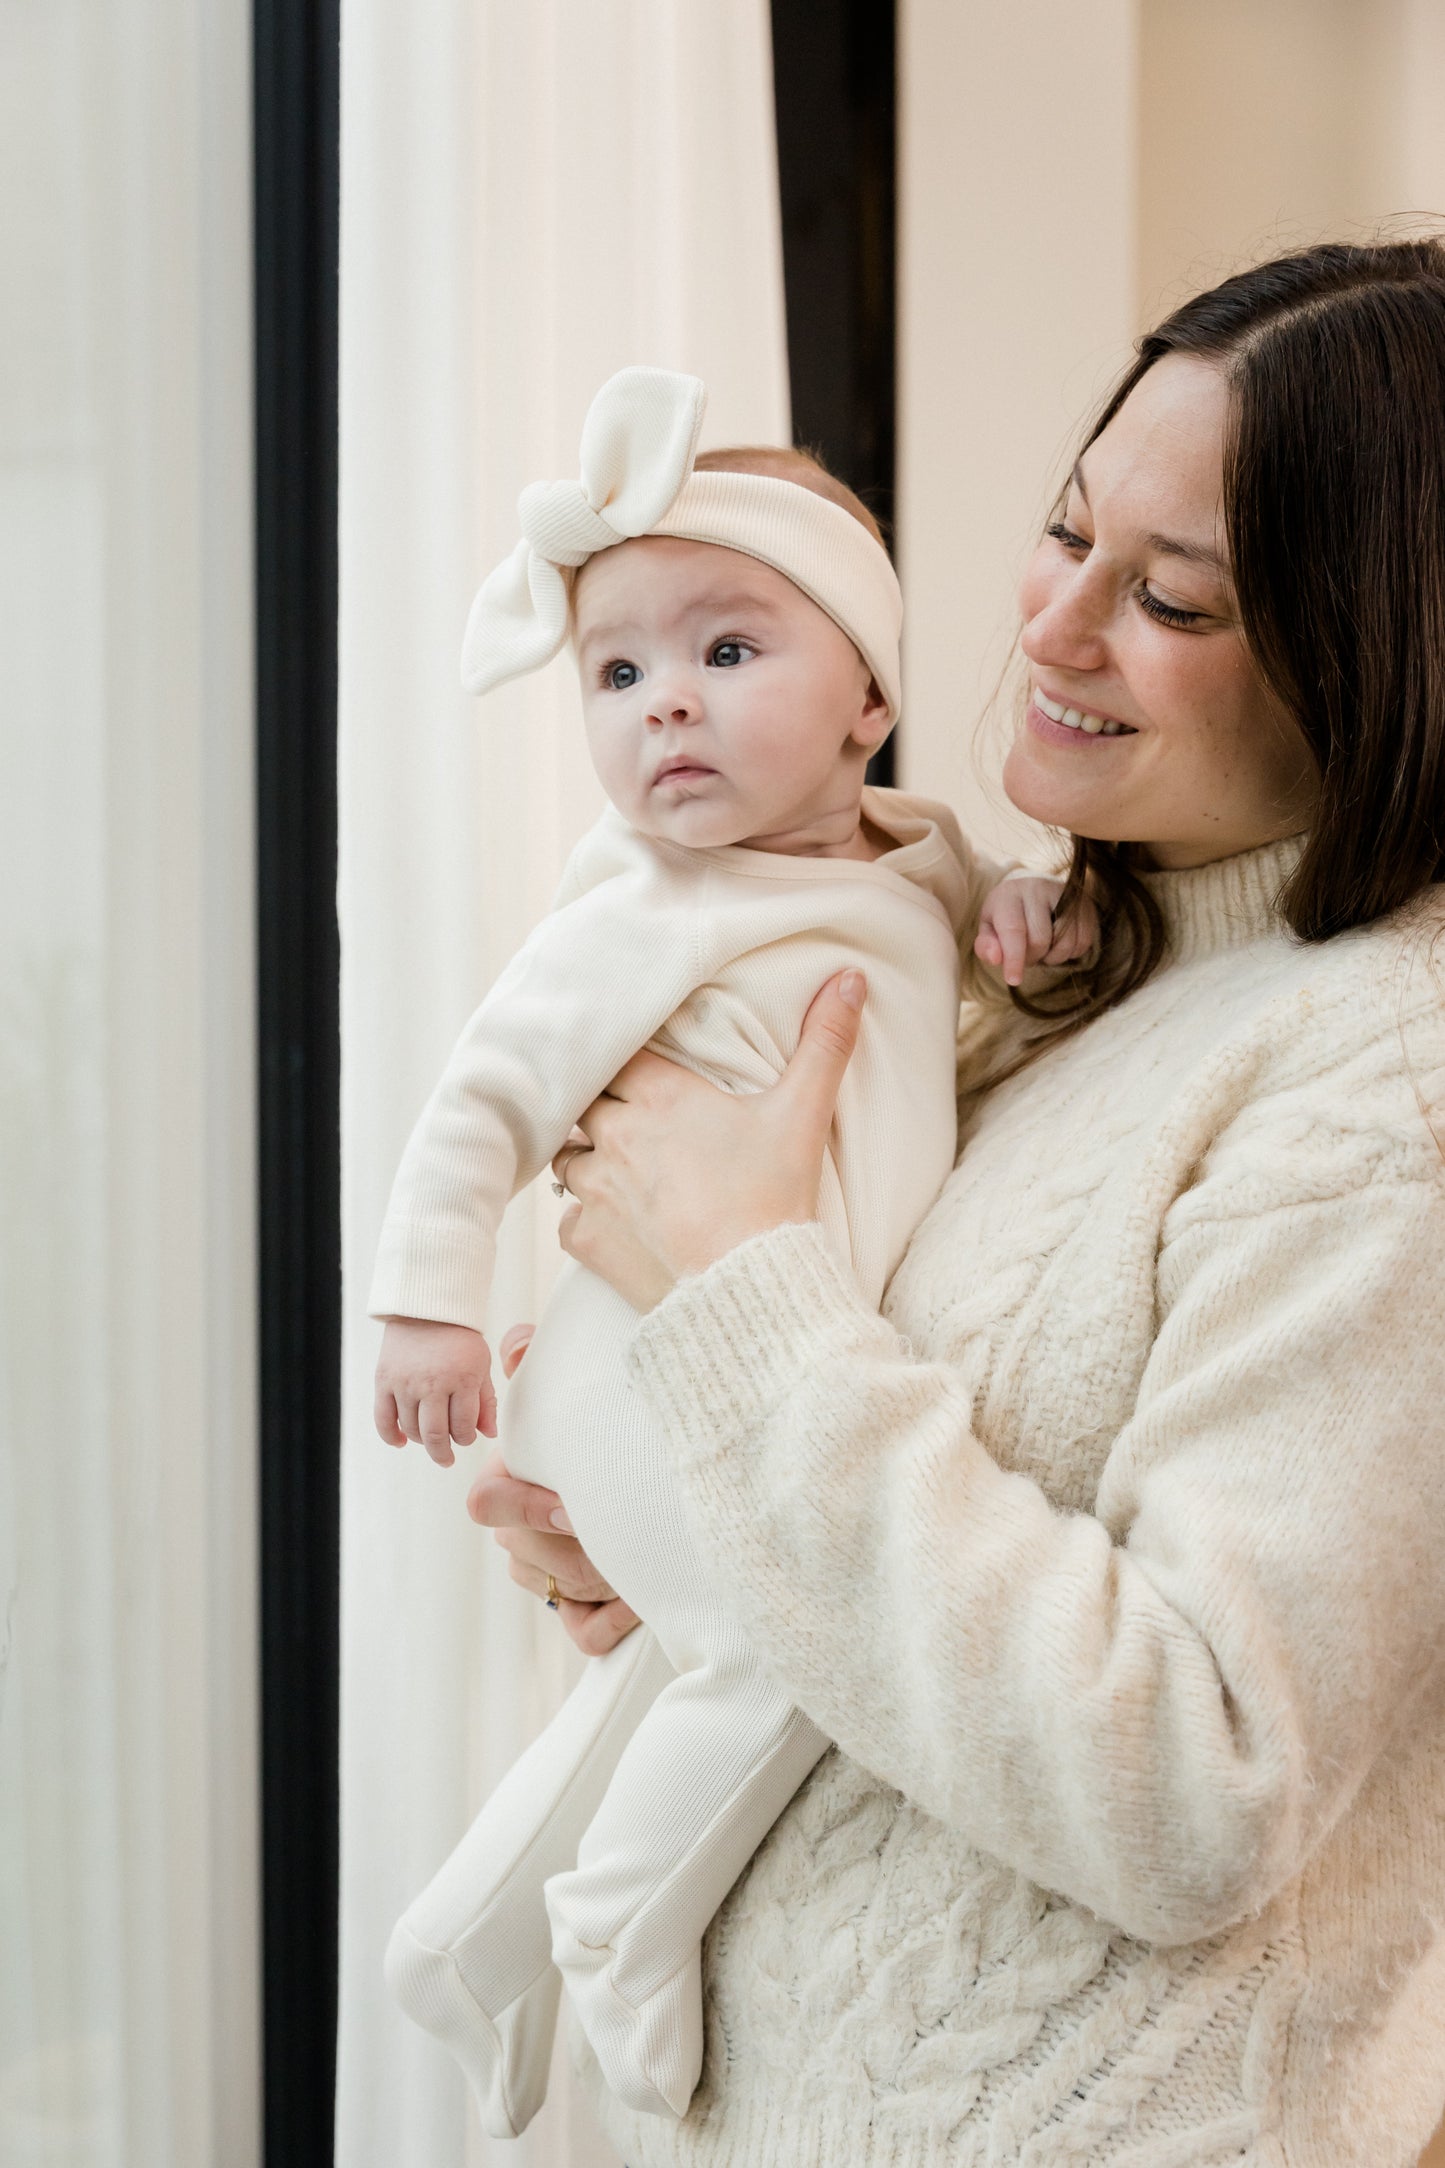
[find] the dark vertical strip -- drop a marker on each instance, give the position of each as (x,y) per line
(834,76)
(297,128)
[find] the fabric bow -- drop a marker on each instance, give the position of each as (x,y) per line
(638,445)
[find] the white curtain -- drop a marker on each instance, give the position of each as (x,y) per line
(532,196)
(128,1969)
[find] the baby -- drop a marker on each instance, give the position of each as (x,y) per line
(735,621)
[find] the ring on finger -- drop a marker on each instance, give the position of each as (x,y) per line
(559,1185)
(553,1592)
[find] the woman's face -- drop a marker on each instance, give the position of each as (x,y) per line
(1147,721)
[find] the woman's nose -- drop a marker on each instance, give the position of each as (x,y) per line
(1065,626)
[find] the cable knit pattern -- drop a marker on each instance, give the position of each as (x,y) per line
(1110,1556)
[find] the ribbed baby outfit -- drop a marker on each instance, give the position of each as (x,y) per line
(1113,1558)
(708,956)
(607,1849)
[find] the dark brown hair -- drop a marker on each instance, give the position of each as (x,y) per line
(1334,504)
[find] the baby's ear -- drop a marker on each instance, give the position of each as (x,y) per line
(874,722)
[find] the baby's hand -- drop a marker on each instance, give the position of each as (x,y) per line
(1016,926)
(433,1384)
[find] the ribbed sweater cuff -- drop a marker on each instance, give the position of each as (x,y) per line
(724,1348)
(427,1272)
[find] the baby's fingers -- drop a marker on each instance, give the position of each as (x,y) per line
(434,1415)
(384,1415)
(987,948)
(1010,932)
(471,1411)
(1038,919)
(1074,935)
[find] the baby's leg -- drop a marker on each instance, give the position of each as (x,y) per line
(721,1750)
(471,1959)
(708,1771)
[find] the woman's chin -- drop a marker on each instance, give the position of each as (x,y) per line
(1044,788)
(1044,796)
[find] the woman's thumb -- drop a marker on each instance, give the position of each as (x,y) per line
(515,1342)
(825,1045)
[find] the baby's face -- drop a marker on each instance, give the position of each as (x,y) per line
(722,706)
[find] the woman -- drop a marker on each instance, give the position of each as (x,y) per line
(1111,1556)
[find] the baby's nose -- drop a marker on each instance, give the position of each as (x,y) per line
(675,704)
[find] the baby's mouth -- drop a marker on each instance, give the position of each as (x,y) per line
(682,770)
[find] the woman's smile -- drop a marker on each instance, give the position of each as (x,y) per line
(1060,723)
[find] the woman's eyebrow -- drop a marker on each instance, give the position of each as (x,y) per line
(1193,553)
(1167,545)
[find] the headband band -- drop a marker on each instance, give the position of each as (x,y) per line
(638,446)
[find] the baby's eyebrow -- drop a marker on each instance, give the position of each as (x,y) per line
(732,602)
(739,598)
(607,628)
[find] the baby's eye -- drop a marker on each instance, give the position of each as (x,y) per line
(727,654)
(620,677)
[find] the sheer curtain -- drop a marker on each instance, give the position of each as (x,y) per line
(128,2034)
(531,198)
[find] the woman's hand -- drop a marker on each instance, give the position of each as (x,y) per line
(675,1173)
(531,1525)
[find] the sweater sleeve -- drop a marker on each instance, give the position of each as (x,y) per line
(569,1010)
(1157,1709)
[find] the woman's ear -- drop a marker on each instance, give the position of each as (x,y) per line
(874,722)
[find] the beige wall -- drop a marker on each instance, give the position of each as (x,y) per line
(1017,283)
(1261,126)
(1066,175)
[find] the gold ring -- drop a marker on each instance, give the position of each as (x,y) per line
(553,1593)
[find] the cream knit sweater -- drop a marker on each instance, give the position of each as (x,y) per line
(1120,1581)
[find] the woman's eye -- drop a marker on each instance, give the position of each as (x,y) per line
(1163,613)
(1166,613)
(620,677)
(1058,532)
(727,654)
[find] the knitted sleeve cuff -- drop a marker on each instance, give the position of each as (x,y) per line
(725,1347)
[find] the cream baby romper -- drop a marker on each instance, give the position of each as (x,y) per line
(630,1817)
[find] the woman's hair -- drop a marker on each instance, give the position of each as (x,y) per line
(789,465)
(1334,506)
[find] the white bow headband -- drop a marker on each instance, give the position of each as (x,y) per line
(638,445)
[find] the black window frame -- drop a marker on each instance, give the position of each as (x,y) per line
(296,194)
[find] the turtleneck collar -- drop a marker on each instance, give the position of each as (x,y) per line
(1226,904)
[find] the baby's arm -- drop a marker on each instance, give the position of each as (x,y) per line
(1017,925)
(568,1012)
